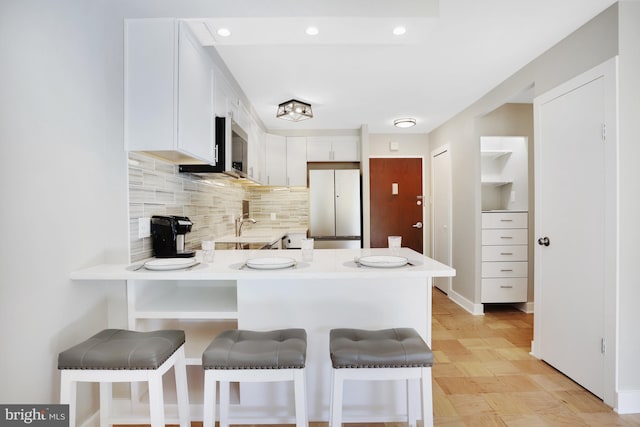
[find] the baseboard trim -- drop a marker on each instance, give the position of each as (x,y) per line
(475,309)
(526,307)
(628,402)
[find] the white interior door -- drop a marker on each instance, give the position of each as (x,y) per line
(441,213)
(573,228)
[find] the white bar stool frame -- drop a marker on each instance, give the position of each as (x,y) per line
(70,377)
(225,376)
(340,375)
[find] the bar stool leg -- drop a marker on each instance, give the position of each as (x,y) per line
(68,395)
(412,419)
(106,394)
(427,396)
(336,398)
(209,418)
(156,400)
(180,370)
(224,403)
(300,397)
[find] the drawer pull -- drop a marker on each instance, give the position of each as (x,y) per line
(506,270)
(506,286)
(506,253)
(506,237)
(506,220)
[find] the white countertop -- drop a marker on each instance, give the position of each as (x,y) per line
(229,265)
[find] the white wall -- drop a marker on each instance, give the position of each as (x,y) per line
(63,183)
(629,142)
(62,176)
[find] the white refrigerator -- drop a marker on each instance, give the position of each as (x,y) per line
(335,208)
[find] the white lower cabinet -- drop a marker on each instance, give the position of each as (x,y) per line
(504,257)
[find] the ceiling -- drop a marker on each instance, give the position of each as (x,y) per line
(355,71)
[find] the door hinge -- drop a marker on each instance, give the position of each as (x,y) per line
(603,346)
(604,132)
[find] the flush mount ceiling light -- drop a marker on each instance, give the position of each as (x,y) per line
(404,123)
(312,31)
(294,110)
(400,30)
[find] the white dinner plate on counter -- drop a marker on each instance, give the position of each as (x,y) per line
(383,261)
(170,263)
(270,263)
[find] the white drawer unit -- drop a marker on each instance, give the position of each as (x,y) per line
(505,236)
(504,269)
(504,220)
(505,253)
(504,257)
(504,290)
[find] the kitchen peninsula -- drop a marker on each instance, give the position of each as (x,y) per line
(330,291)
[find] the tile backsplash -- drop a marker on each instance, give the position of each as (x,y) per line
(210,201)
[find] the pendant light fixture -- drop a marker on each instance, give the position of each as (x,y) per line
(404,123)
(294,110)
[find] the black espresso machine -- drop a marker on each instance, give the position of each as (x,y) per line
(167,234)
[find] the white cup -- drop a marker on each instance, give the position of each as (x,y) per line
(208,250)
(307,249)
(395,242)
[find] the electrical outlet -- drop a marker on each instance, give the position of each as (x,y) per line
(144,227)
(273,216)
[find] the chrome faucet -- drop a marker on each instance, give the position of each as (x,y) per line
(240,222)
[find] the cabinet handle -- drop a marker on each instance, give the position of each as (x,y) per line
(506,270)
(506,286)
(506,220)
(215,154)
(506,253)
(506,237)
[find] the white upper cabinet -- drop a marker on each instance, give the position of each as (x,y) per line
(286,161)
(333,148)
(296,161)
(276,160)
(169,92)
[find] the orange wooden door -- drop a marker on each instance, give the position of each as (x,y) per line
(396,214)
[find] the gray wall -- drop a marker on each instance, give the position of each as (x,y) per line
(567,59)
(613,32)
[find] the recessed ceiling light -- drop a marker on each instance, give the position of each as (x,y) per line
(400,30)
(404,123)
(312,31)
(224,32)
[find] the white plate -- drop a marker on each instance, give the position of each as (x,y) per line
(170,263)
(270,263)
(383,261)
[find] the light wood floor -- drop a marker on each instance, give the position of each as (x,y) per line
(484,376)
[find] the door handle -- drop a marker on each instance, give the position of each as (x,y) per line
(544,241)
(417,225)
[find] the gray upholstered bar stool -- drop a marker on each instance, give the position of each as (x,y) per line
(388,354)
(117,355)
(254,356)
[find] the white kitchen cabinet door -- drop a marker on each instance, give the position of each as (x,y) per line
(276,160)
(319,149)
(297,161)
(168,92)
(196,130)
(346,148)
(333,148)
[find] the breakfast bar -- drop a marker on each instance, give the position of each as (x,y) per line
(335,289)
